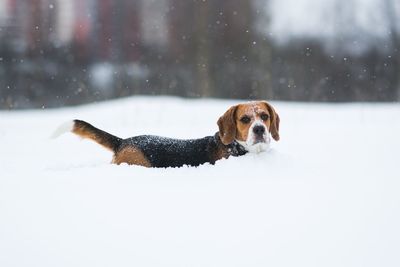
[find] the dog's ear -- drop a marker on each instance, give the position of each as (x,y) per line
(275,120)
(227,126)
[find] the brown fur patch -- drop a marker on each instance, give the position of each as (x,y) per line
(252,110)
(86,130)
(83,132)
(227,126)
(132,156)
(274,121)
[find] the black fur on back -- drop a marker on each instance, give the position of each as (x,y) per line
(167,152)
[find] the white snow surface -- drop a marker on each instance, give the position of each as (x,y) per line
(327,194)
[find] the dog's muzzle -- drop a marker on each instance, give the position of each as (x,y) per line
(258,139)
(259,134)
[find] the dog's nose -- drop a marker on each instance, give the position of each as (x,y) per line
(259,130)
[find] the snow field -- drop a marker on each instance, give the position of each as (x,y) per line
(327,194)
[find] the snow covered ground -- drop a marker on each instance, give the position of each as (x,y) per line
(328,194)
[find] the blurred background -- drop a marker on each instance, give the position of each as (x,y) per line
(56,53)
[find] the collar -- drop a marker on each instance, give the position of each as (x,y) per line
(234,149)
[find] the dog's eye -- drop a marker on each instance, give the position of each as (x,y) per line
(245,119)
(264,117)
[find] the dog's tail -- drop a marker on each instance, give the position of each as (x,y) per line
(86,130)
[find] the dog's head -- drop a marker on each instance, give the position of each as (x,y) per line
(250,124)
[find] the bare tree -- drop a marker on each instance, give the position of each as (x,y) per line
(201,22)
(394,34)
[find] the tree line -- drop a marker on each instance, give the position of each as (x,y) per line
(209,49)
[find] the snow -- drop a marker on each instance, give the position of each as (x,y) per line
(63,128)
(327,194)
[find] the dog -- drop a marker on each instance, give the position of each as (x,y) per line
(243,128)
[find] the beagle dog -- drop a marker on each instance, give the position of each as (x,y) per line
(243,128)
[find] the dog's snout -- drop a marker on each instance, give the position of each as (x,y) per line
(259,130)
